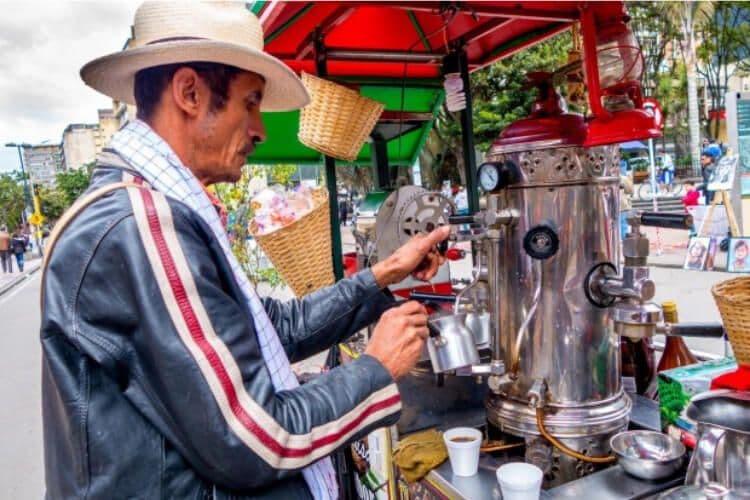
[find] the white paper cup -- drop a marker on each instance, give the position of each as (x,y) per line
(464,455)
(520,481)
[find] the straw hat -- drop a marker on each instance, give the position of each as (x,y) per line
(184,31)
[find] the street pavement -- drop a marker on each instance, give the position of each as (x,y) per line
(21,463)
(21,459)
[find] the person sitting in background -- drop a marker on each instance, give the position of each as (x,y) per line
(691,200)
(691,196)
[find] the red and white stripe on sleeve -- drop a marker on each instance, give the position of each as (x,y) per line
(247,419)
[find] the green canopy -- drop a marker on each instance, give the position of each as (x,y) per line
(408,117)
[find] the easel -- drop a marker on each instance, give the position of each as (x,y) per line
(723,196)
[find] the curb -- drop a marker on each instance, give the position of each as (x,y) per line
(17,281)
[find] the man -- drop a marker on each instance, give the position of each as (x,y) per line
(164,374)
(667,172)
(18,245)
(5,253)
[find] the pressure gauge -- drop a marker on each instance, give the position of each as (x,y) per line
(489,176)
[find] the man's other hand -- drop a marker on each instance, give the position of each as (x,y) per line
(398,338)
(418,257)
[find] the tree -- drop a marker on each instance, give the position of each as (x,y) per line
(53,202)
(724,32)
(11,201)
(72,183)
(500,97)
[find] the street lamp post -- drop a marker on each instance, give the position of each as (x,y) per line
(26,192)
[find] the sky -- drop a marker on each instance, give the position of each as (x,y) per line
(43,45)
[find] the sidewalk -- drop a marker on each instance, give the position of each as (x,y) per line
(9,280)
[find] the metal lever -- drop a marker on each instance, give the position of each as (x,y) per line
(425,297)
(701,330)
(666,220)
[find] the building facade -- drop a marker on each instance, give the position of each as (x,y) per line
(80,144)
(43,162)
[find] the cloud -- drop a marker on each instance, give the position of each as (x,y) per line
(42,48)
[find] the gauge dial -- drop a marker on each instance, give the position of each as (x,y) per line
(489,176)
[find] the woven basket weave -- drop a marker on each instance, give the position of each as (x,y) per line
(301,251)
(338,120)
(733,299)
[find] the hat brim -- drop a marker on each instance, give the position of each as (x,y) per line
(114,74)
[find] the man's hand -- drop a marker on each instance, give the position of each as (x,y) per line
(398,338)
(418,256)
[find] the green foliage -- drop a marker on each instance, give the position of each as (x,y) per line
(236,197)
(53,202)
(500,97)
(500,93)
(281,174)
(11,200)
(72,183)
(724,31)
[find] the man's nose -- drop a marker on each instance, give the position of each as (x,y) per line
(257,131)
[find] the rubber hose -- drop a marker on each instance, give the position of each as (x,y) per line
(557,444)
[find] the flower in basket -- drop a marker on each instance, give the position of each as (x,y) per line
(273,209)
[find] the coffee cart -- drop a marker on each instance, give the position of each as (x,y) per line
(550,294)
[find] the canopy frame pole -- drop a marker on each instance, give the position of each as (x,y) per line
(458,62)
(380,166)
(321,68)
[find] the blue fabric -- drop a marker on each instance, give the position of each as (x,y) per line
(623,223)
(712,150)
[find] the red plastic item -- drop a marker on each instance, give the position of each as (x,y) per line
(739,380)
(455,254)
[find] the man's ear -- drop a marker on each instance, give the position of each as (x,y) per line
(188,91)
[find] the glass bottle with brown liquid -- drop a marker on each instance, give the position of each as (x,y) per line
(676,352)
(638,366)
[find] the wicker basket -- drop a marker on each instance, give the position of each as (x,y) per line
(338,120)
(301,251)
(733,298)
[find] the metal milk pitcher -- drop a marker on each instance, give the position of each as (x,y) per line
(454,347)
(722,452)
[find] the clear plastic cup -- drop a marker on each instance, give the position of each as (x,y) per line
(463,449)
(520,481)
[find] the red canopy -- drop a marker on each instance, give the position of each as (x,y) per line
(375,39)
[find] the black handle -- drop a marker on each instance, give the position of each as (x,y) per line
(666,220)
(704,330)
(455,220)
(434,332)
(424,297)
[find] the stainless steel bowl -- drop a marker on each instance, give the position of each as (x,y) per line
(648,454)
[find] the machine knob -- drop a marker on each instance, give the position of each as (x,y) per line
(541,242)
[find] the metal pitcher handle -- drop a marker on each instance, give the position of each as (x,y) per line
(702,468)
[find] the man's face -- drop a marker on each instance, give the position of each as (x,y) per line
(225,138)
(705,160)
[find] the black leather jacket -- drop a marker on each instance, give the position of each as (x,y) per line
(153,382)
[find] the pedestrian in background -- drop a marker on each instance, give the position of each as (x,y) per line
(18,247)
(708,165)
(5,254)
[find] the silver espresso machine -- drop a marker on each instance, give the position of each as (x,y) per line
(549,298)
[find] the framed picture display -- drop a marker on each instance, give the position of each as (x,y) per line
(738,260)
(697,253)
(722,178)
(713,246)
